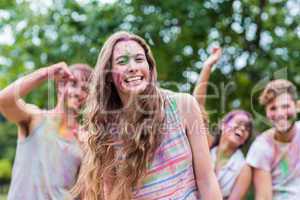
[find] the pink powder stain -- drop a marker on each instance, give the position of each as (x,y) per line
(117,79)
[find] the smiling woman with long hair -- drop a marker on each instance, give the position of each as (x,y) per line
(143,142)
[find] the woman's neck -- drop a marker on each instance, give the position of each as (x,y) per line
(68,126)
(225,150)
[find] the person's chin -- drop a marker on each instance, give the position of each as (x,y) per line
(282,129)
(284,125)
(73,108)
(235,142)
(135,90)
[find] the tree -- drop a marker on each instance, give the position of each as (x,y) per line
(260,39)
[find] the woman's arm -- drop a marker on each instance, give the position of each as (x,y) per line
(11,104)
(202,83)
(242,184)
(201,86)
(196,133)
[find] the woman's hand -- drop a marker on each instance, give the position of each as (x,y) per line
(214,57)
(59,72)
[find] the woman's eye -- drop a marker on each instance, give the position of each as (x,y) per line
(139,59)
(272,109)
(121,62)
(286,106)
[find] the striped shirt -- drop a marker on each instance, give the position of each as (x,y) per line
(171,174)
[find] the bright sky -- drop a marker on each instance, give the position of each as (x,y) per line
(6,33)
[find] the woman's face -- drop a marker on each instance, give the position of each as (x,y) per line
(236,131)
(130,68)
(78,90)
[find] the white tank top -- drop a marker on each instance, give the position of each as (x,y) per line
(46,165)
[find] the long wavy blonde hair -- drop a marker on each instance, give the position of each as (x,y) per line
(118,149)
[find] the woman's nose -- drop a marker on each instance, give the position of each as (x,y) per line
(132,66)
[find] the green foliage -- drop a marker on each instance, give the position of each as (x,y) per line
(258,38)
(8,138)
(5,170)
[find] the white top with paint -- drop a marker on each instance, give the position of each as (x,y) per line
(282,160)
(229,173)
(46,165)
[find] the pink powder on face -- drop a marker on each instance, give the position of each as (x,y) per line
(241,117)
(117,77)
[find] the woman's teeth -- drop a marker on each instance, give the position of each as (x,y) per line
(133,79)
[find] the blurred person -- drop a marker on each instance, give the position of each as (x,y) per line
(274,155)
(48,155)
(234,131)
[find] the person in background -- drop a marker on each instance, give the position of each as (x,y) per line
(48,155)
(234,131)
(274,155)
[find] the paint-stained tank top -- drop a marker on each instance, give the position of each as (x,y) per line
(46,165)
(170,175)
